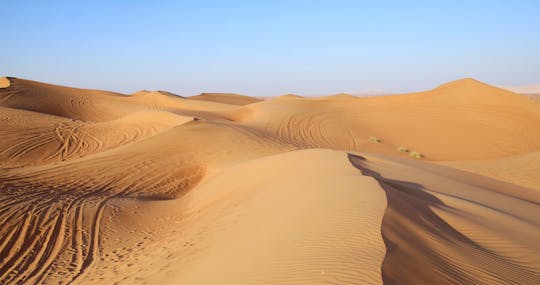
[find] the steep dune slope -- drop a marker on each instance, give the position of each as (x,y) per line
(312,219)
(467,229)
(464,119)
(320,223)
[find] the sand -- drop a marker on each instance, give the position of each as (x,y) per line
(227,98)
(4,82)
(520,169)
(461,120)
(98,187)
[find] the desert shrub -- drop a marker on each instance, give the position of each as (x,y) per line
(403,149)
(416,154)
(375,139)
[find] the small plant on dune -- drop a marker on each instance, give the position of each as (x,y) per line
(375,139)
(403,149)
(416,154)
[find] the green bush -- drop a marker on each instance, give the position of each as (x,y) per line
(403,149)
(416,154)
(375,139)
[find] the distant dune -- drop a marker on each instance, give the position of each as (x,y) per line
(227,98)
(433,187)
(525,89)
(533,96)
(531,91)
(465,119)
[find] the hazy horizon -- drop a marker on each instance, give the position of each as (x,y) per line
(266,49)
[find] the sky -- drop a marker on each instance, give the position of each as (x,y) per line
(268,48)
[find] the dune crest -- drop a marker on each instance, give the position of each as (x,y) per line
(327,227)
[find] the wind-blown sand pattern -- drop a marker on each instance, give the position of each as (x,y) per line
(98,187)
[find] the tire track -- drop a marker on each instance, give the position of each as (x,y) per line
(50,242)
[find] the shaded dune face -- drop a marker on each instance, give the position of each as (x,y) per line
(98,187)
(417,236)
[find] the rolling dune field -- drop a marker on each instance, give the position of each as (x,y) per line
(433,187)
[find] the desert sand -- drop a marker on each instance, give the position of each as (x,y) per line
(433,187)
(227,98)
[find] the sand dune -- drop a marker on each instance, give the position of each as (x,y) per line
(465,119)
(34,138)
(226,98)
(81,104)
(334,237)
(95,105)
(74,193)
(289,96)
(98,187)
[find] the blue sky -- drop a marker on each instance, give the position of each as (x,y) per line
(266,48)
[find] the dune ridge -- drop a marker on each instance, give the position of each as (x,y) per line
(289,246)
(98,187)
